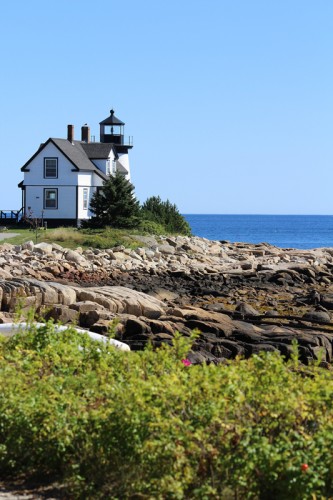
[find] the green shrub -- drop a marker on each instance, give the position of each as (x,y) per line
(143,424)
(152,227)
(166,214)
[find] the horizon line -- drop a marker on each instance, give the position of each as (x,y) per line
(261,214)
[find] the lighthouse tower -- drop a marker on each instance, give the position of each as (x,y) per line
(112,132)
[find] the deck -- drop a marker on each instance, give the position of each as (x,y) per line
(10,217)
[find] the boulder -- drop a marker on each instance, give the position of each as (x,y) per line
(62,314)
(43,248)
(102,326)
(166,249)
(246,309)
(5,275)
(91,317)
(326,300)
(317,317)
(76,257)
(261,347)
(28,245)
(135,326)
(66,294)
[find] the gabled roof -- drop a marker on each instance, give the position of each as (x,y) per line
(112,120)
(76,153)
(98,150)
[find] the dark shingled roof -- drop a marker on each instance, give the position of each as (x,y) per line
(112,120)
(77,155)
(97,150)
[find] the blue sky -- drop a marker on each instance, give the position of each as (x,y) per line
(230,102)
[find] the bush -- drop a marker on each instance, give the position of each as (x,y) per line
(166,214)
(144,424)
(151,227)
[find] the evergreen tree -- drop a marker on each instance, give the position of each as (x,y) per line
(166,213)
(115,204)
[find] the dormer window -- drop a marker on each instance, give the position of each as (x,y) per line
(50,168)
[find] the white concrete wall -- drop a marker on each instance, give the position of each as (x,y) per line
(124,161)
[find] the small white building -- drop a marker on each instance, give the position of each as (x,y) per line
(61,177)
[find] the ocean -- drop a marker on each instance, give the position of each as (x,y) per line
(285,231)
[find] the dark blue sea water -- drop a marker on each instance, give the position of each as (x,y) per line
(285,231)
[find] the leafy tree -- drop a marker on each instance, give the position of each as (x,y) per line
(166,213)
(115,204)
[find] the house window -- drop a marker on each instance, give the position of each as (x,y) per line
(85,198)
(50,168)
(50,198)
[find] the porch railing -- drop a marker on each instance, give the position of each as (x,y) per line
(11,215)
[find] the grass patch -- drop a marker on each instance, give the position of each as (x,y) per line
(70,237)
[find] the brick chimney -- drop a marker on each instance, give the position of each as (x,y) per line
(70,133)
(85,133)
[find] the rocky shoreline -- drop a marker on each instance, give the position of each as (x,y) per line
(243,298)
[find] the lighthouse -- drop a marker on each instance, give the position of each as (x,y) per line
(112,132)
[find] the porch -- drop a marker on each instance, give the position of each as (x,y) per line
(10,217)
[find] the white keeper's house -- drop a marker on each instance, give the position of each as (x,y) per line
(61,177)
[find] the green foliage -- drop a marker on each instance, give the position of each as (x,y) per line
(165,213)
(151,227)
(115,204)
(108,238)
(143,424)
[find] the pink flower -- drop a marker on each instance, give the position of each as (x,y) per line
(186,362)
